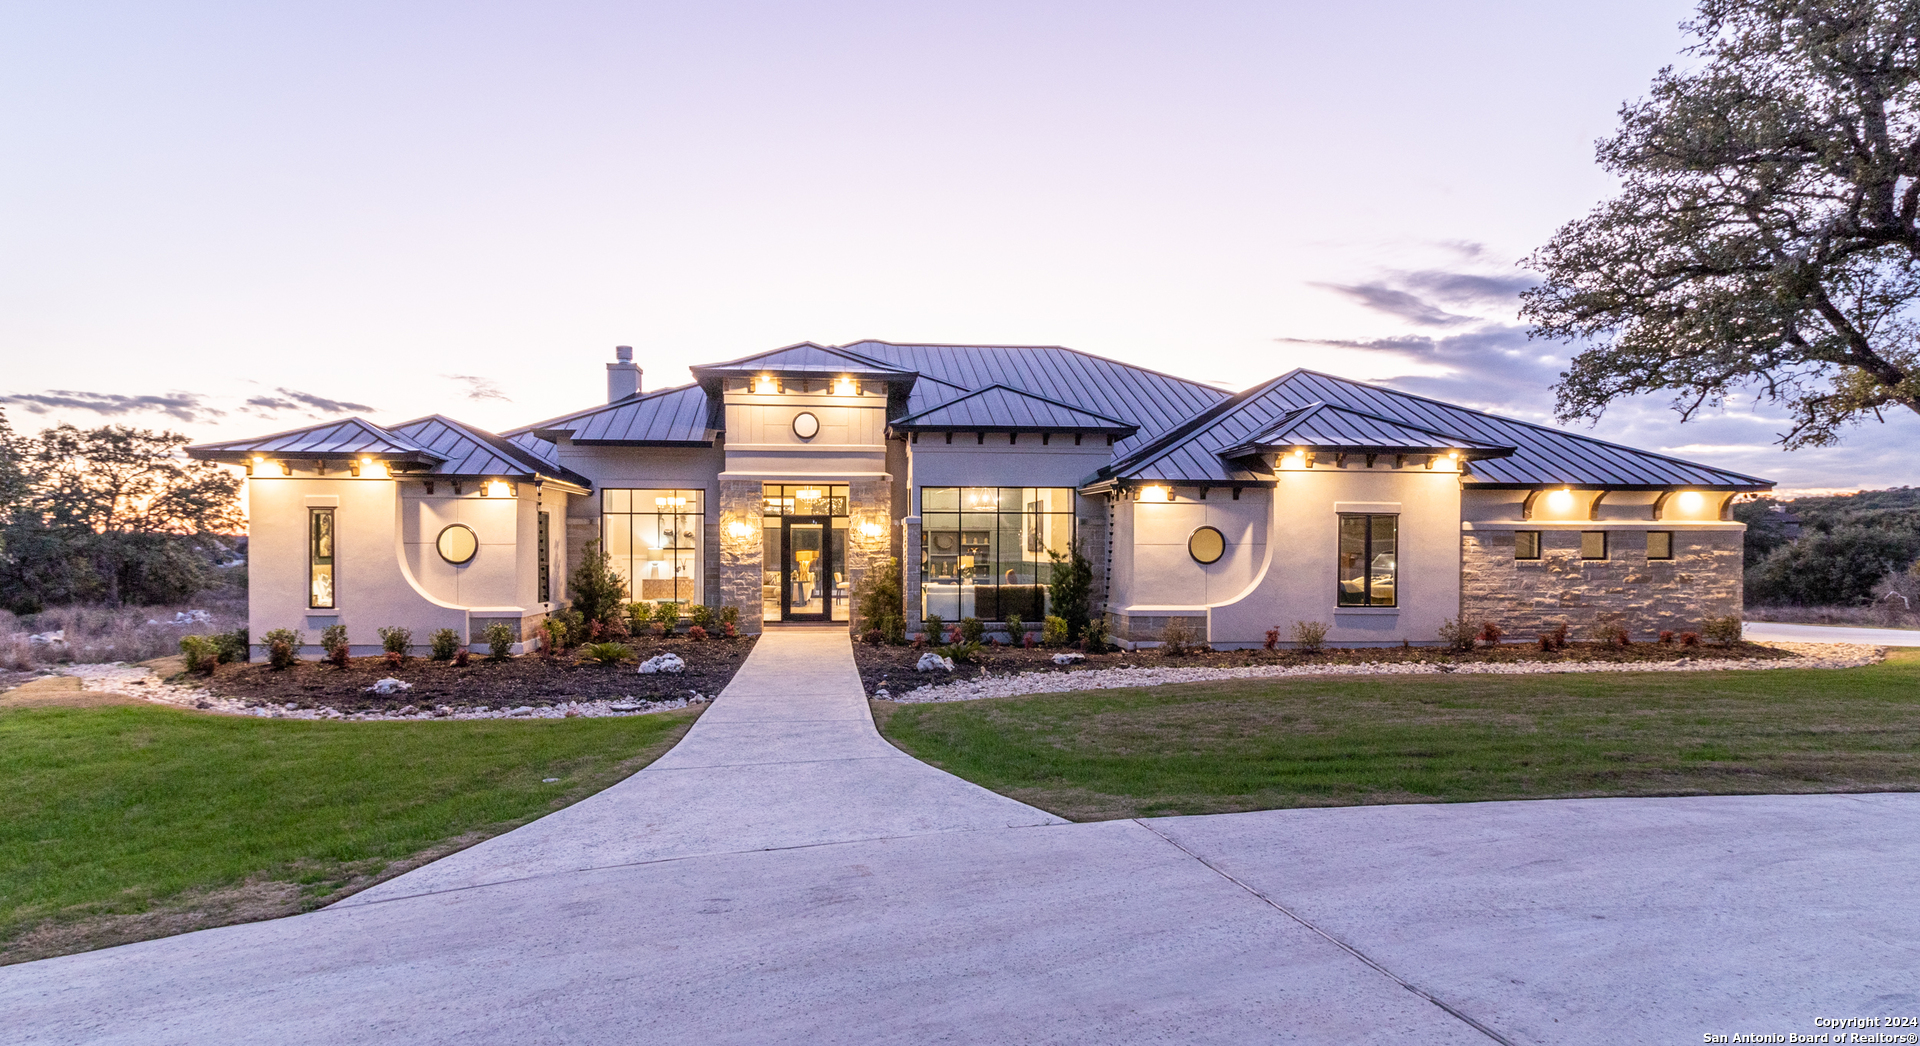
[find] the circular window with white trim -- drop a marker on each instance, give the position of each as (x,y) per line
(805,425)
(457,543)
(1207,545)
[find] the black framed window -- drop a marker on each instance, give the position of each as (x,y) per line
(320,552)
(1659,544)
(1593,544)
(654,538)
(984,551)
(1369,560)
(1526,544)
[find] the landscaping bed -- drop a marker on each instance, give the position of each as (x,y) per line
(527,680)
(893,668)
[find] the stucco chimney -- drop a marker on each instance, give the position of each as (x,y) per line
(623,378)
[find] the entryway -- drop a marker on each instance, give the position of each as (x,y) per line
(804,553)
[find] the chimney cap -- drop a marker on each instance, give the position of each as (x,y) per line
(623,353)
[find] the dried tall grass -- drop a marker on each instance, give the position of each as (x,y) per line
(105,634)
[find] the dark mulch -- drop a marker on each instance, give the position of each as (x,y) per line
(894,665)
(530,680)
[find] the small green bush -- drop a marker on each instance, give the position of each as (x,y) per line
(668,614)
(1096,635)
(1722,631)
(972,629)
(700,616)
(201,654)
(959,651)
(936,629)
(1016,629)
(1053,632)
(556,631)
(333,639)
(1309,635)
(445,643)
(639,616)
(396,640)
(231,647)
(880,604)
(729,616)
(283,647)
(1457,635)
(1612,634)
(606,653)
(500,640)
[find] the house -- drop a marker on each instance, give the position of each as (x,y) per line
(776,482)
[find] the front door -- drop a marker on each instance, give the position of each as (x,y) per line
(807,593)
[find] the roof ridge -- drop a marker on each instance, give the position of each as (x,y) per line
(1319,405)
(1159,444)
(1058,348)
(354,419)
(621,402)
(984,389)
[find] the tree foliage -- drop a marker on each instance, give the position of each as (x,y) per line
(1070,590)
(1767,229)
(112,514)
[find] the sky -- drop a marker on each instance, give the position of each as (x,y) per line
(229,219)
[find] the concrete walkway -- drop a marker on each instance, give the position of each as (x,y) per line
(1770,632)
(785,876)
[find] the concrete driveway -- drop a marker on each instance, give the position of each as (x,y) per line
(785,876)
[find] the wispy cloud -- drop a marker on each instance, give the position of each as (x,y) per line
(479,388)
(305,402)
(184,406)
(1399,304)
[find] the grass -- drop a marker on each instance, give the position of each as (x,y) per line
(121,823)
(1339,741)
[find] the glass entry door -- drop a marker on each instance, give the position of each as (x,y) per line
(806,593)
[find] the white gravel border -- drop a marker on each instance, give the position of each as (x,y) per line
(136,681)
(1810,655)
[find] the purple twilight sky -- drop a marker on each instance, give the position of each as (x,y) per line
(232,218)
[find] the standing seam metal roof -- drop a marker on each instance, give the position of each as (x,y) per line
(999,407)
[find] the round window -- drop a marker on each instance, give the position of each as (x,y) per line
(1206,545)
(457,543)
(805,425)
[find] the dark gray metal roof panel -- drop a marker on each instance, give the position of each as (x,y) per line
(468,451)
(1154,401)
(1323,426)
(998,407)
(350,437)
(804,358)
(673,417)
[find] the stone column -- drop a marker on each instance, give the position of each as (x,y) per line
(740,570)
(869,536)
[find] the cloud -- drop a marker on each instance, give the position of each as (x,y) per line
(479,388)
(291,399)
(1397,303)
(184,406)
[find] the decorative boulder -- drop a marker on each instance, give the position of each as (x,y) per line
(1068,658)
(668,663)
(389,685)
(932,662)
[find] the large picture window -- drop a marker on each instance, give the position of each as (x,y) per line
(654,539)
(320,590)
(1369,560)
(984,551)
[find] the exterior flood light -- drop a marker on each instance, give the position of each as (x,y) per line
(1156,494)
(845,387)
(872,530)
(766,385)
(1690,501)
(1560,500)
(496,488)
(739,529)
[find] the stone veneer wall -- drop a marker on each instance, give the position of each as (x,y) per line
(1529,596)
(738,565)
(869,505)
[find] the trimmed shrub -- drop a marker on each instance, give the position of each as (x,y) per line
(1096,636)
(880,603)
(1666,638)
(667,615)
(606,653)
(1179,637)
(1054,632)
(1722,631)
(639,616)
(500,640)
(200,652)
(1070,590)
(444,642)
(230,647)
(972,629)
(1613,634)
(461,657)
(1273,639)
(556,633)
(700,616)
(1689,639)
(1559,635)
(1309,635)
(730,619)
(333,640)
(1016,630)
(1490,633)
(936,627)
(873,637)
(283,647)
(396,640)
(697,633)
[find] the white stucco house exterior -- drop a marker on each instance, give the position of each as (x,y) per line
(775,482)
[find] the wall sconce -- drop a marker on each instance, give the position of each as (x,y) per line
(1690,501)
(872,530)
(496,488)
(739,529)
(766,385)
(1159,495)
(1561,500)
(845,387)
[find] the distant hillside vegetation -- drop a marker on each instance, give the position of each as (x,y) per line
(1849,546)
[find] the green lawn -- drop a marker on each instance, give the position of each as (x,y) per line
(1337,741)
(125,822)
